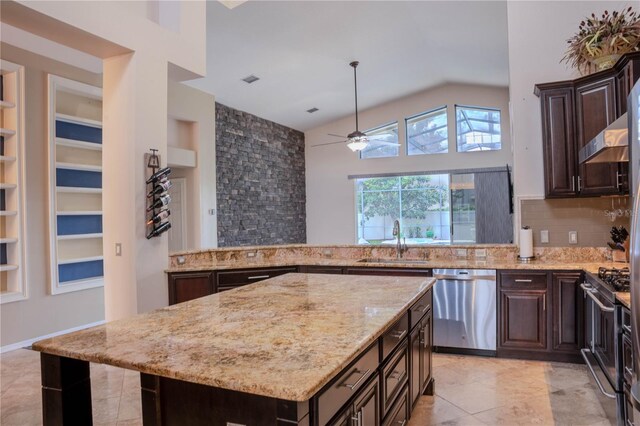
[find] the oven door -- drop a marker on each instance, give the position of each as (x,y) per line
(600,352)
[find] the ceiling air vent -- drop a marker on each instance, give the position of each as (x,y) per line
(251,79)
(312,110)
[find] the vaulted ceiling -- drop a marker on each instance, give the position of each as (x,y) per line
(300,50)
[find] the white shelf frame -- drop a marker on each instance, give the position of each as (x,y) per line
(79,212)
(75,166)
(13,111)
(57,84)
(72,143)
(7,159)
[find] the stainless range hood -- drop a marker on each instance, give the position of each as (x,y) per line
(610,146)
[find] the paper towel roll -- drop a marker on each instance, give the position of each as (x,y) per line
(526,242)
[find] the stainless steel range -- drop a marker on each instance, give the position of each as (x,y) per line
(603,336)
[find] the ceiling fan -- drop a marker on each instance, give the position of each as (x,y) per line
(357,139)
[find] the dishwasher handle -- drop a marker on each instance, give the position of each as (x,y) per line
(465,277)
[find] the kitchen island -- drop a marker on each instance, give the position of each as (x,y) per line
(295,349)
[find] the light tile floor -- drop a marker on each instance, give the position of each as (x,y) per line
(469,391)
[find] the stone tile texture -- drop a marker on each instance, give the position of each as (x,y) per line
(260,174)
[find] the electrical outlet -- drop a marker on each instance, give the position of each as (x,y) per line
(461,252)
(118,249)
(327,252)
(212,212)
(251,254)
(481,252)
(181,260)
(544,236)
(573,237)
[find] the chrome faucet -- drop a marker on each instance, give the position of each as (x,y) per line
(400,247)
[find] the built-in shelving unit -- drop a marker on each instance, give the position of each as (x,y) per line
(13,280)
(75,163)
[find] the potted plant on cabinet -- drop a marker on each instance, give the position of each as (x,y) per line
(601,41)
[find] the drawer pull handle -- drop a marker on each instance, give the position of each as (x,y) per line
(355,385)
(425,308)
(258,277)
(402,422)
(523,281)
(627,328)
(628,371)
(397,375)
(399,336)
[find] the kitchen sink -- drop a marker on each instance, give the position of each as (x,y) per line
(412,261)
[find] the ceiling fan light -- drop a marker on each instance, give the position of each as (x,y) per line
(358,143)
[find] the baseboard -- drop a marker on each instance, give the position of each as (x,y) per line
(29,342)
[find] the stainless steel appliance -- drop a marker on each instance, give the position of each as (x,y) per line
(633,105)
(464,302)
(609,146)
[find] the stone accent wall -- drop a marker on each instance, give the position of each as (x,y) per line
(260,181)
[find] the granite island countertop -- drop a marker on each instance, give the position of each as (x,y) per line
(285,337)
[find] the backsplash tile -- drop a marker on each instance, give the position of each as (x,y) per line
(584,215)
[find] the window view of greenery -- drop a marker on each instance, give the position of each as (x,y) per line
(420,203)
(380,140)
(477,129)
(427,133)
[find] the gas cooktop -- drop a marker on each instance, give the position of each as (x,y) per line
(619,279)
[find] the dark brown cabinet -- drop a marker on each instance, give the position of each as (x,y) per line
(185,286)
(421,352)
(573,113)
(567,315)
(321,269)
(365,409)
(523,319)
(227,280)
(541,315)
(559,148)
(595,110)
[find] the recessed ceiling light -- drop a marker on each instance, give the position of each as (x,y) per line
(312,110)
(250,79)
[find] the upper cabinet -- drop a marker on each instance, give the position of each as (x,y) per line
(573,113)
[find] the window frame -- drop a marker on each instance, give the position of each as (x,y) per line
(373,129)
(484,108)
(430,111)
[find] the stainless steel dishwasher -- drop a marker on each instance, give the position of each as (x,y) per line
(464,302)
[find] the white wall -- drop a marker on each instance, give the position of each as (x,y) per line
(537,41)
(43,313)
(331,196)
(187,104)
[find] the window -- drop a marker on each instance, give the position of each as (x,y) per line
(477,129)
(420,203)
(427,133)
(383,142)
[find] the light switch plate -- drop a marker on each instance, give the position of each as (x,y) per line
(118,249)
(544,236)
(573,237)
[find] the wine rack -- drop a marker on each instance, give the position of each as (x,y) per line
(158,198)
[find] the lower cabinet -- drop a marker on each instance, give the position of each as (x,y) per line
(185,286)
(321,269)
(365,409)
(420,357)
(395,272)
(540,315)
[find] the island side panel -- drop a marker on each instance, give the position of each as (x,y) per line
(66,391)
(168,401)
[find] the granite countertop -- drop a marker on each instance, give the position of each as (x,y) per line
(436,263)
(624,298)
(285,337)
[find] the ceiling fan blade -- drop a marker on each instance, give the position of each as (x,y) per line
(328,143)
(380,142)
(337,136)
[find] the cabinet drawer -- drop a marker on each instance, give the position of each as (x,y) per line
(420,308)
(392,272)
(249,276)
(394,376)
(627,359)
(347,384)
(399,413)
(524,280)
(319,269)
(392,337)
